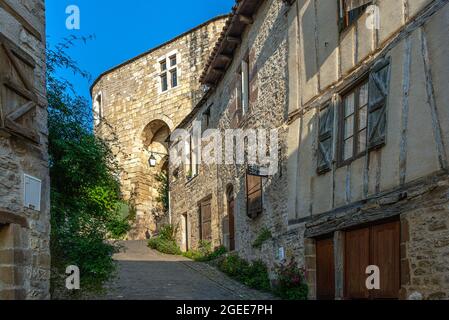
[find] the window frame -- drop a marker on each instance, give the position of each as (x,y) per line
(243,88)
(193,168)
(248,194)
(98,109)
(167,71)
(356,153)
(344,17)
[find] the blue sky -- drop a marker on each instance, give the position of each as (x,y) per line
(124,29)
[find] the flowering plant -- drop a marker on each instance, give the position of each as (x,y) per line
(291,284)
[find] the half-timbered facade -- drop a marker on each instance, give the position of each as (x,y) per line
(368,146)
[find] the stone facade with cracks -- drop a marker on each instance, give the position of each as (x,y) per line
(24,174)
(136,106)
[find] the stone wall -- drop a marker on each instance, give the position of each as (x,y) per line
(24,231)
(137,116)
(264,44)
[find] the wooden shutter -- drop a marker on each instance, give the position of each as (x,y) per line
(379,82)
(325,269)
(325,143)
(18,101)
(206,221)
(385,252)
(357,245)
(254,196)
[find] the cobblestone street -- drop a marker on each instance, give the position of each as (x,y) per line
(145,274)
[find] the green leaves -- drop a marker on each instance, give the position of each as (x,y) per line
(86,205)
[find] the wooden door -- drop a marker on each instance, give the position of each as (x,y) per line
(357,246)
(231,224)
(206,221)
(385,252)
(378,245)
(325,269)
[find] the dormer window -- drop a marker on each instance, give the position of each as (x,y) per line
(169,72)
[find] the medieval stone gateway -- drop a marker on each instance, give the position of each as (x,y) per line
(139,103)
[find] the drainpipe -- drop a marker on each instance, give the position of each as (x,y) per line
(169,207)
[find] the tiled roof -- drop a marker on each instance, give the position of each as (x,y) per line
(223,52)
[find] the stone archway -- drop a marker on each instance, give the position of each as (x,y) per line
(152,211)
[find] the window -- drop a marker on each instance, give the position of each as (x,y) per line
(206,119)
(193,157)
(164,82)
(354,122)
(363,114)
(244,96)
(173,61)
(98,109)
(174,78)
(205,221)
(254,196)
(351,10)
(163,66)
(169,73)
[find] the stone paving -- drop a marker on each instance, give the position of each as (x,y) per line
(145,274)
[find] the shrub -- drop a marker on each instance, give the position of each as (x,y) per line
(205,253)
(291,282)
(263,236)
(254,275)
(168,232)
(164,246)
(165,242)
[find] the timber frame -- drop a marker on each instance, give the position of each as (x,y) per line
(379,207)
(16,58)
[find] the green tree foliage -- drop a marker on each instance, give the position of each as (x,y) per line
(86,204)
(163,190)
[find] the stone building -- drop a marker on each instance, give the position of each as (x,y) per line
(247,76)
(368,145)
(356,92)
(138,103)
(24,175)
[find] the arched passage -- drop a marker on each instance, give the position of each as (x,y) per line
(153,194)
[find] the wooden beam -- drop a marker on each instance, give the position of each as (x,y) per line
(224,56)
(8,8)
(219,70)
(246,19)
(234,39)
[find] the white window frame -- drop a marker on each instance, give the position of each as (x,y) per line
(98,109)
(169,70)
(36,206)
(245,87)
